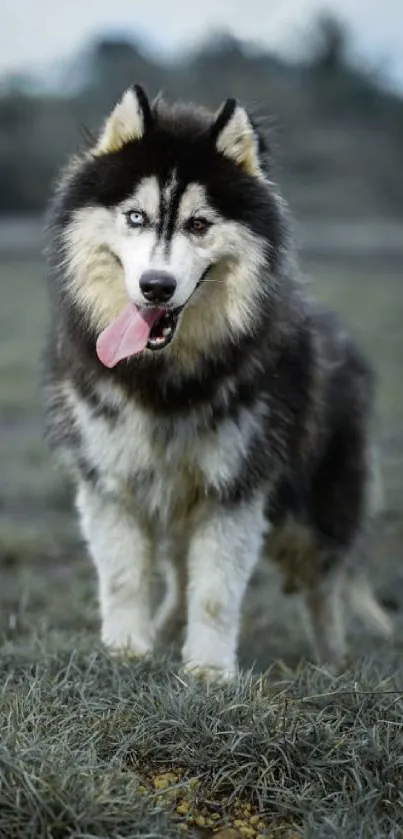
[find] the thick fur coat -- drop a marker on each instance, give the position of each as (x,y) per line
(245,420)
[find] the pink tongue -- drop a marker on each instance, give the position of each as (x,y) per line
(127,335)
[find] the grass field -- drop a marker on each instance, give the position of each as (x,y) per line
(95,748)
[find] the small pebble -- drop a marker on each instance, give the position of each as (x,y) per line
(200,821)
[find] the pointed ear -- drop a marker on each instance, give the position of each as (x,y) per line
(128,121)
(235,137)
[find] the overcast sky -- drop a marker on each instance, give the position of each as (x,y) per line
(36,32)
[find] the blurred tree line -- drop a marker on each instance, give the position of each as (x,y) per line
(337,134)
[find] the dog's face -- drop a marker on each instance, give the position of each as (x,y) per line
(169,208)
(167,234)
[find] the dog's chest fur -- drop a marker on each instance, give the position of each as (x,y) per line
(166,466)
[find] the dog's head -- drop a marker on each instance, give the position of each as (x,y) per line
(167,224)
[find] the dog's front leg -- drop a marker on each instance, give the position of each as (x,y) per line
(121,551)
(224,550)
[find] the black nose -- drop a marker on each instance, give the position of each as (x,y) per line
(157,286)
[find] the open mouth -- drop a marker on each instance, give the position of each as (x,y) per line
(134,330)
(163,329)
(137,328)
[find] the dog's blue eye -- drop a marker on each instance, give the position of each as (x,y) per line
(135,218)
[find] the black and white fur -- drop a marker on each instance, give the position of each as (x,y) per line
(251,429)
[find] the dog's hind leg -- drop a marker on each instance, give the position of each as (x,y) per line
(170,617)
(342,501)
(329,599)
(364,604)
(324,604)
(317,573)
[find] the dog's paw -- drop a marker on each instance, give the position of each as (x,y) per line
(209,673)
(127,646)
(338,666)
(128,653)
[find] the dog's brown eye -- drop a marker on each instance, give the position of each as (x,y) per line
(198,225)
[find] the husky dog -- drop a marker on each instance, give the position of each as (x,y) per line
(206,407)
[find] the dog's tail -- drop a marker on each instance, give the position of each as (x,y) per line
(365,605)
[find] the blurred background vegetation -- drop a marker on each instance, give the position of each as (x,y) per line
(337,131)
